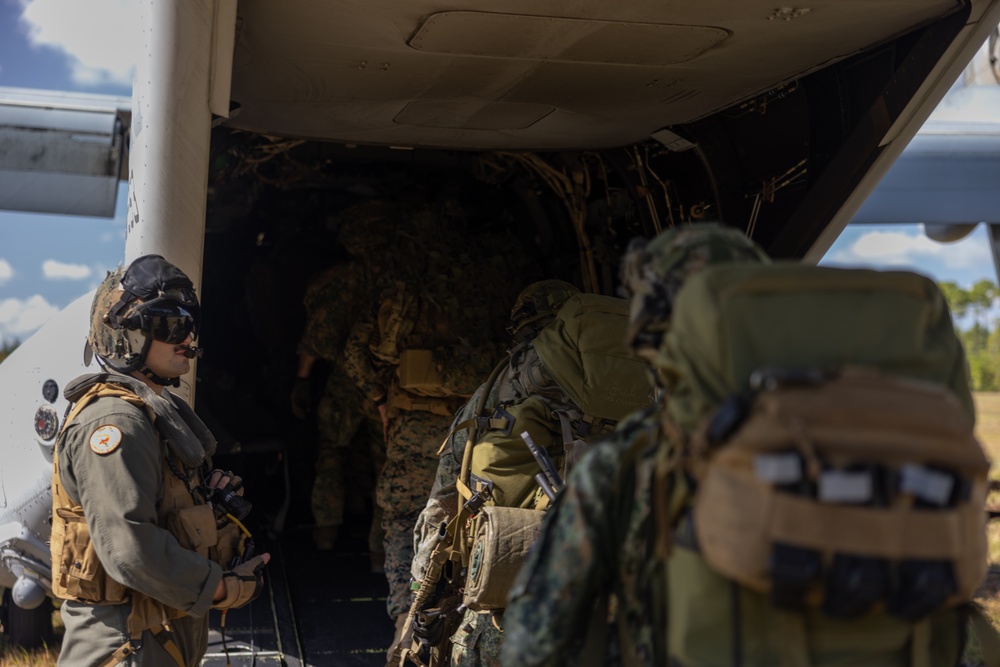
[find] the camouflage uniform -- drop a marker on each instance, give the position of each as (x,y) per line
(445,300)
(333,302)
(594,543)
(477,641)
(596,556)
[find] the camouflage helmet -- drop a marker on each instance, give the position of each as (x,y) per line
(366,226)
(652,273)
(151,300)
(536,305)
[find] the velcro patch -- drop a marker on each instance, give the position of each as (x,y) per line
(105,439)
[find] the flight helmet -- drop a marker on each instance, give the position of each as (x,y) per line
(653,271)
(536,306)
(150,300)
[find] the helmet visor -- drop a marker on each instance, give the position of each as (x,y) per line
(164,319)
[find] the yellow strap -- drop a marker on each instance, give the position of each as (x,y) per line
(463,490)
(989,640)
(790,639)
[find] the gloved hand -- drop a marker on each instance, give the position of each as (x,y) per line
(243,583)
(301,398)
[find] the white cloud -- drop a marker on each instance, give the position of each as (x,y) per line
(6,271)
(881,248)
(55,270)
(20,318)
(100,37)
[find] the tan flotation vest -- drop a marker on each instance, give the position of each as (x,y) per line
(77,573)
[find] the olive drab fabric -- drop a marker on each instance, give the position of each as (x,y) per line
(583,351)
(570,385)
(826,489)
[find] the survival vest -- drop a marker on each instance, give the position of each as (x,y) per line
(818,472)
(569,386)
(77,573)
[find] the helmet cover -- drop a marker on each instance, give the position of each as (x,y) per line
(152,299)
(653,271)
(537,305)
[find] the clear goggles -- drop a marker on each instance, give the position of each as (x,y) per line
(164,319)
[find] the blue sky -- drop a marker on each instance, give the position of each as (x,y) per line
(85,46)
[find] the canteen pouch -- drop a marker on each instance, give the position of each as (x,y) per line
(501,539)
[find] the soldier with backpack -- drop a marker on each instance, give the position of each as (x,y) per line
(432,334)
(810,492)
(535,307)
(568,384)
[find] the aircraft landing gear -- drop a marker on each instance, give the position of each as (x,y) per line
(26,628)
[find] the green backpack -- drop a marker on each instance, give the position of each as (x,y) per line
(571,384)
(827,508)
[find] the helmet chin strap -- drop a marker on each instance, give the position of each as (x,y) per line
(158,379)
(137,363)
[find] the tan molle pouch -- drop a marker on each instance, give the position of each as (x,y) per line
(418,374)
(834,439)
(228,546)
(194,528)
(401,400)
(81,575)
(502,537)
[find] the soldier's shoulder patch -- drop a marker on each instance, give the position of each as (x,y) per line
(105,439)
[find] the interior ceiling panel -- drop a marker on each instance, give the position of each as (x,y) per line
(524,74)
(552,38)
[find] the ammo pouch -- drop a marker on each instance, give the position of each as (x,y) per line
(501,539)
(419,374)
(400,399)
(857,493)
(194,528)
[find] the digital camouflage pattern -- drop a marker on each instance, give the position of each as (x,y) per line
(477,641)
(653,271)
(401,492)
(334,301)
(342,412)
(536,305)
(447,292)
(594,545)
(595,542)
(101,338)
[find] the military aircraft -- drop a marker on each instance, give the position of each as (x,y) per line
(575,126)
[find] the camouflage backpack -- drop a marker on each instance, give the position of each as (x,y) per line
(819,471)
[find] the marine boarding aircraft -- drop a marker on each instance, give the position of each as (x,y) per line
(576,125)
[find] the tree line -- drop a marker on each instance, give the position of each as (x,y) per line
(972,310)
(6,347)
